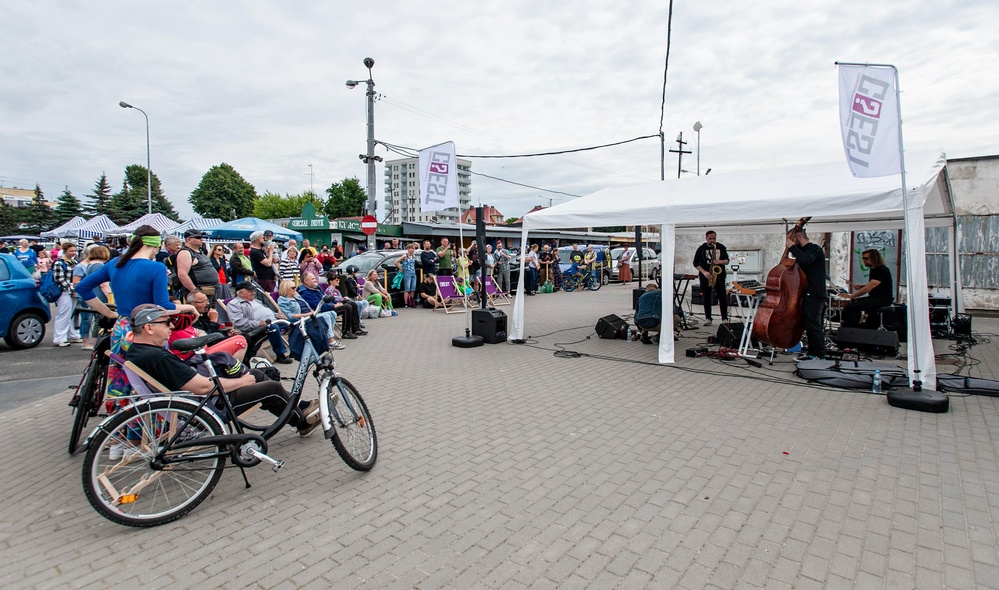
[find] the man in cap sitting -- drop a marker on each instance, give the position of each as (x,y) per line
(246,313)
(151,327)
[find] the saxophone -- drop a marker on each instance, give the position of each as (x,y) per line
(716,269)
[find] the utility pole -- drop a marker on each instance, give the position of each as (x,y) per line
(679,150)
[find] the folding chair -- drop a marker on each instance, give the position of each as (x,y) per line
(496,297)
(448,294)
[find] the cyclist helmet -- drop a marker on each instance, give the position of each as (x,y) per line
(181,321)
(351,269)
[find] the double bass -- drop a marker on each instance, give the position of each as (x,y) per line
(778,321)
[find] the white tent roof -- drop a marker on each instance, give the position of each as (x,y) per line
(156,220)
(64,229)
(761,201)
(95,226)
(769,201)
(196,223)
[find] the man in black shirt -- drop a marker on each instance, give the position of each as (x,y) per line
(426,291)
(710,259)
(262,261)
(151,330)
(812,261)
(879,290)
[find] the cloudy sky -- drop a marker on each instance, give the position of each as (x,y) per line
(260,85)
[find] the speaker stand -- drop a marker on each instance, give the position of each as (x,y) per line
(468,340)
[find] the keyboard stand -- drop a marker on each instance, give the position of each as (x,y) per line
(746,306)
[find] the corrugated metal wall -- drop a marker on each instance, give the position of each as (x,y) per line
(978,251)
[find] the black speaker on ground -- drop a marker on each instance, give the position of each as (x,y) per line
(962,325)
(697,297)
(895,318)
(611,327)
(636,294)
(877,342)
(490,324)
(729,334)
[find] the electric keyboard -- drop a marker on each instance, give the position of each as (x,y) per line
(748,287)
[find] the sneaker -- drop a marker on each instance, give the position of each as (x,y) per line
(61,344)
(361,332)
(76,340)
(283,359)
(361,324)
(337,346)
(120,451)
(394,313)
(349,336)
(707,322)
(310,409)
(805,357)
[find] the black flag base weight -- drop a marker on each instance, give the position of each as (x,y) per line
(467,341)
(919,399)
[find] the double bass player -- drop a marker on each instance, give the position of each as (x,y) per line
(812,261)
(710,260)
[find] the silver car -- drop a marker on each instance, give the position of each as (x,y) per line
(650,263)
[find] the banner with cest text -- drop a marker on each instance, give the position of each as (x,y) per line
(868,115)
(438,177)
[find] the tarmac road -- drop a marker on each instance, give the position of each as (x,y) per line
(29,375)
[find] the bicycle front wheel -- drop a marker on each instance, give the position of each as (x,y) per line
(593,284)
(88,395)
(119,478)
(353,431)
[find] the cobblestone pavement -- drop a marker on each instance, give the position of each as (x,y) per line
(507,466)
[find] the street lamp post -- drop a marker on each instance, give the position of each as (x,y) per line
(149,172)
(370,157)
(697,128)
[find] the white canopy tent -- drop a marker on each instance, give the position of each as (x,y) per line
(64,229)
(155,220)
(768,201)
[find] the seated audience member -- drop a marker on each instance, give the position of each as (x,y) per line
(247,313)
(151,330)
(345,307)
(293,306)
(207,321)
(350,290)
(648,318)
(375,293)
(426,292)
(309,291)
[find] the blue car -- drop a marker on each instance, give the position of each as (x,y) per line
(23,312)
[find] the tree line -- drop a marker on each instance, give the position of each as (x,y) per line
(222,193)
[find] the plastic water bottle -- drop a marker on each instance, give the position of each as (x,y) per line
(876,382)
(629,334)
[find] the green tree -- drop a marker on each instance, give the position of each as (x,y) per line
(67,207)
(223,193)
(39,216)
(99,201)
(10,220)
(346,199)
(274,206)
(132,202)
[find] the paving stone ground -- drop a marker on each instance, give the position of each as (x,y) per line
(507,466)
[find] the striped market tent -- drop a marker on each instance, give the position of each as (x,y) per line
(64,229)
(195,223)
(95,226)
(156,220)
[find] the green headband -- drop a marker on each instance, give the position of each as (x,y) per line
(154,241)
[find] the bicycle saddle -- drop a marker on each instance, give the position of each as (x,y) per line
(191,344)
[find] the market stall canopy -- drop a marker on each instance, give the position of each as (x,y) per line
(63,230)
(16,238)
(95,226)
(156,220)
(241,229)
(201,223)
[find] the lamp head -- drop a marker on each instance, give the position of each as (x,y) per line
(125,105)
(351,83)
(369,63)
(698,126)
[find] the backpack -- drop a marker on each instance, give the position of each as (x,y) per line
(49,288)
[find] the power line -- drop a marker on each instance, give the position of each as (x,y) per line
(536,154)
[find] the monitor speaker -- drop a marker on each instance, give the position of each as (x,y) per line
(611,327)
(877,342)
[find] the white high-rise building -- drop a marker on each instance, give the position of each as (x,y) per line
(402,193)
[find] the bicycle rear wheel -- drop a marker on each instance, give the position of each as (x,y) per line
(353,431)
(119,479)
(88,395)
(568,284)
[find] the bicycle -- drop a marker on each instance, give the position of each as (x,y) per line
(89,395)
(185,439)
(583,278)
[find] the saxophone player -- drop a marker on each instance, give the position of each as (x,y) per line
(710,260)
